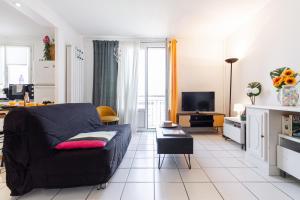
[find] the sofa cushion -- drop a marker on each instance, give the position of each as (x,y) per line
(87,140)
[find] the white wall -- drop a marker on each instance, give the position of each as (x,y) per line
(63,38)
(89,69)
(201,67)
(270,40)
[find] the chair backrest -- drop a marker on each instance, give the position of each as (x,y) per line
(105,111)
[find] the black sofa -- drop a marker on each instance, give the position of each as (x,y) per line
(31,161)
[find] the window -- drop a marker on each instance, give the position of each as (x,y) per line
(14,65)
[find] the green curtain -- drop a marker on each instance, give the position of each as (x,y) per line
(105,73)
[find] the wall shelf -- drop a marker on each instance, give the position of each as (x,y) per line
(276,108)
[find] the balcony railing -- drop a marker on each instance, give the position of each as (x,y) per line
(156,111)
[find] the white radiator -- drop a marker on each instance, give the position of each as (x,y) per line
(75,75)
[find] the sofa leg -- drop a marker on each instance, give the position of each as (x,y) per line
(102,186)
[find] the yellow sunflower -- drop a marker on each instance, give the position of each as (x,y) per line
(277,81)
(288,72)
(290,81)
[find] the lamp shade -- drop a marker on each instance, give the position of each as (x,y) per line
(231,60)
(239,108)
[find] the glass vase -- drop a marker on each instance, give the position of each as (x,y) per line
(288,96)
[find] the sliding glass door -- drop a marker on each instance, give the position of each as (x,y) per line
(152,98)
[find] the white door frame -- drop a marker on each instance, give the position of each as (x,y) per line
(146,46)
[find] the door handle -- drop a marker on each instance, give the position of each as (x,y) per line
(262,136)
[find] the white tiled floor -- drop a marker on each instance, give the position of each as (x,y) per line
(234,191)
(77,193)
(202,191)
(39,194)
(220,175)
(291,189)
(138,191)
(171,191)
(112,192)
(219,171)
(193,175)
(120,176)
(246,175)
(167,175)
(266,191)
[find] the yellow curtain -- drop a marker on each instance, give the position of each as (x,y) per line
(173,81)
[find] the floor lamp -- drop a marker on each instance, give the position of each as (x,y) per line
(230,61)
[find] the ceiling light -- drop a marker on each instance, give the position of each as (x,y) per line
(18,4)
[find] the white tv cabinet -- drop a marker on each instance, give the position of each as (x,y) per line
(267,148)
(235,129)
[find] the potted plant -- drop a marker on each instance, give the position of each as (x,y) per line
(253,90)
(49,48)
(285,81)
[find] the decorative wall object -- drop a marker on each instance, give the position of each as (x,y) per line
(49,48)
(285,81)
(253,90)
(117,53)
(52,52)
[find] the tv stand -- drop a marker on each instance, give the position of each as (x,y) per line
(195,121)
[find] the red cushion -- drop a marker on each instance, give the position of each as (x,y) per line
(82,144)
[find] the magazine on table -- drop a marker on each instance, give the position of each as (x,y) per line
(167,132)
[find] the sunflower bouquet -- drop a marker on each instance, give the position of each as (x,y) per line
(284,76)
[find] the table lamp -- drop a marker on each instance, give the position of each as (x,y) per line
(239,108)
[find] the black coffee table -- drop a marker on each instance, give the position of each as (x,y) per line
(178,144)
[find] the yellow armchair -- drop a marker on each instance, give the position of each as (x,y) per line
(107,115)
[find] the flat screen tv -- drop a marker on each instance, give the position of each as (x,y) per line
(198,101)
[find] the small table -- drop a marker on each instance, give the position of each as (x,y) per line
(177,144)
(235,129)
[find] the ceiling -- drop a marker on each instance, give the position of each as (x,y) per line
(14,23)
(155,18)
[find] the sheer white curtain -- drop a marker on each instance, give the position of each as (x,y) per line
(127,85)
